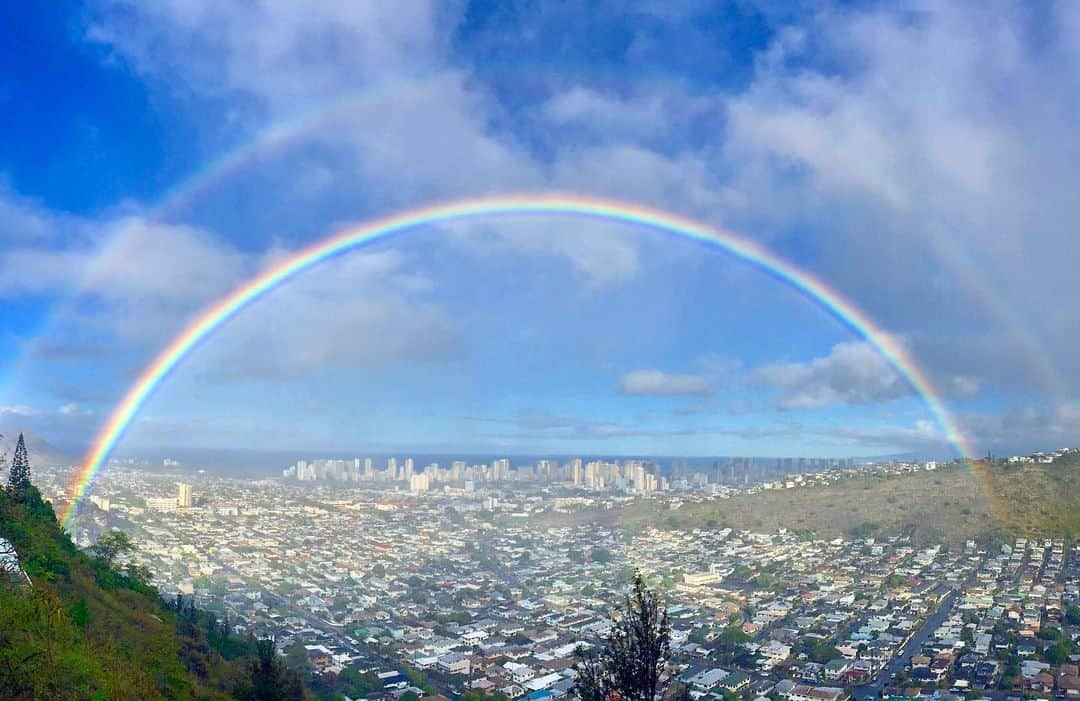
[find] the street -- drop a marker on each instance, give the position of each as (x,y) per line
(914,643)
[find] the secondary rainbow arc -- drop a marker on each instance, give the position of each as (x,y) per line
(213,317)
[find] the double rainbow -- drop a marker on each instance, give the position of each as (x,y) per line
(225,308)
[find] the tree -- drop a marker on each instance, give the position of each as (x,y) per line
(359,684)
(822,653)
(19,476)
(296,657)
(110,545)
(1056,654)
(629,665)
(732,636)
(270,680)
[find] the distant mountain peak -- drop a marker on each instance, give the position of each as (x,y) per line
(41,451)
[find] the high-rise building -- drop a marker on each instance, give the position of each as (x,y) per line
(592,477)
(183,497)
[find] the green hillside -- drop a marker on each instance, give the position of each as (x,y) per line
(85,630)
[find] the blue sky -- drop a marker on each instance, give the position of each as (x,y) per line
(923,163)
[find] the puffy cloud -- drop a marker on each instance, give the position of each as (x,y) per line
(411,122)
(657,382)
(127,285)
(944,137)
(853,372)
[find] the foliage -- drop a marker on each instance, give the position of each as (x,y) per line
(270,679)
(1058,652)
(822,653)
(481,695)
(19,476)
(416,677)
(732,636)
(864,530)
(1049,633)
(356,684)
(741,573)
(600,555)
(630,664)
(86,630)
(896,581)
(111,545)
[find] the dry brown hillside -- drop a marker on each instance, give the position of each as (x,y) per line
(951,504)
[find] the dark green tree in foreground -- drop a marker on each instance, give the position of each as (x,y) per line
(19,476)
(629,665)
(270,679)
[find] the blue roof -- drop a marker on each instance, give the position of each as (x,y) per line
(537,695)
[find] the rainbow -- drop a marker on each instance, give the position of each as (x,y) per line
(284,134)
(217,314)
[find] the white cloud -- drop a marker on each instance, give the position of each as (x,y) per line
(411,122)
(657,382)
(965,386)
(129,283)
(650,113)
(853,372)
(1026,429)
(17,410)
(935,151)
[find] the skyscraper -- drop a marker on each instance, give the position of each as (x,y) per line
(183,497)
(575,472)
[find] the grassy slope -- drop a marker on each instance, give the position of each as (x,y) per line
(1039,499)
(948,504)
(84,631)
